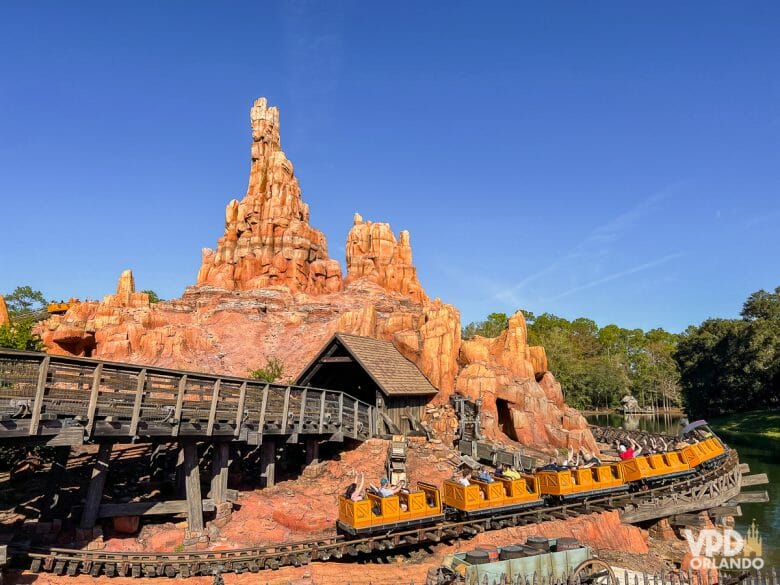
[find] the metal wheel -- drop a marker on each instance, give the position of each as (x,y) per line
(594,572)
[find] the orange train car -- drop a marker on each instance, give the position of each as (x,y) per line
(575,483)
(654,467)
(399,511)
(500,495)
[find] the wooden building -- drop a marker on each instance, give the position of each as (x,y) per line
(374,371)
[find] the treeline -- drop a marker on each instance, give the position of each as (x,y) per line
(598,366)
(733,365)
(25,307)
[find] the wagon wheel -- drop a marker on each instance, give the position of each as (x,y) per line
(594,572)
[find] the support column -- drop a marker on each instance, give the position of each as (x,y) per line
(96,485)
(312,451)
(268,462)
(219,468)
(50,503)
(180,474)
(192,488)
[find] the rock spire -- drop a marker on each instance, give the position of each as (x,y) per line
(268,240)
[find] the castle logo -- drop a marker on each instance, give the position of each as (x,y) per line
(725,549)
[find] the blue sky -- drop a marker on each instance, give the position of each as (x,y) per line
(615,160)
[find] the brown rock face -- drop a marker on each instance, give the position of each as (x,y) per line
(4,318)
(268,240)
(270,289)
(374,253)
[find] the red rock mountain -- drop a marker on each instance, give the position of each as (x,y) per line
(270,289)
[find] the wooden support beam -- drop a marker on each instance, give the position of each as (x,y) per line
(286,409)
(179,405)
(240,409)
(744,468)
(312,451)
(151,508)
(96,485)
(725,511)
(341,412)
(336,360)
(213,409)
(757,479)
(93,398)
(192,487)
(139,396)
(688,520)
(355,421)
(40,391)
(303,411)
(749,498)
(219,475)
(268,462)
(261,423)
(51,497)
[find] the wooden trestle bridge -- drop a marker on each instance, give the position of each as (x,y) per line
(65,401)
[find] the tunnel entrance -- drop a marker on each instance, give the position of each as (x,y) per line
(505,421)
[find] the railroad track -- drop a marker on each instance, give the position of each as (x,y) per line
(709,488)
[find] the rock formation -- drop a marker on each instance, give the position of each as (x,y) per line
(4,318)
(270,289)
(374,253)
(268,239)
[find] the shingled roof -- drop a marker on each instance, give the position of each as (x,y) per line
(394,374)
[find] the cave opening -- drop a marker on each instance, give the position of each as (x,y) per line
(505,422)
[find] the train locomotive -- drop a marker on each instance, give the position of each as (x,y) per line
(429,504)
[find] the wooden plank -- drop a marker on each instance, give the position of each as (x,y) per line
(179,404)
(192,488)
(139,396)
(757,479)
(750,498)
(303,411)
(744,468)
(689,520)
(371,422)
(96,485)
(341,412)
(261,425)
(725,511)
(322,411)
(268,462)
(240,410)
(40,390)
(336,360)
(93,398)
(355,421)
(285,409)
(151,508)
(213,409)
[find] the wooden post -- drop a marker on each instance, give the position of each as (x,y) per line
(240,409)
(179,405)
(192,487)
(303,411)
(322,411)
(40,391)
(219,468)
(213,409)
(261,422)
(51,498)
(179,479)
(139,397)
(355,421)
(286,409)
(312,451)
(96,485)
(268,462)
(93,398)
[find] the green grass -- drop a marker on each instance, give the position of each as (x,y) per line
(748,427)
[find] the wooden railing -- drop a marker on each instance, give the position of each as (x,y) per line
(77,398)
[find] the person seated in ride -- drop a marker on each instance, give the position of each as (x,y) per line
(511,473)
(386,490)
(629,452)
(499,471)
(552,465)
(463,479)
(484,475)
(355,491)
(589,459)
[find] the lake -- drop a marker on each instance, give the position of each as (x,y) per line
(761,460)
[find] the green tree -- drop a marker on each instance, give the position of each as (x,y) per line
(25,300)
(19,335)
(271,372)
(491,327)
(153,297)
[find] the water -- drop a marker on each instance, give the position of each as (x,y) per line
(762,459)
